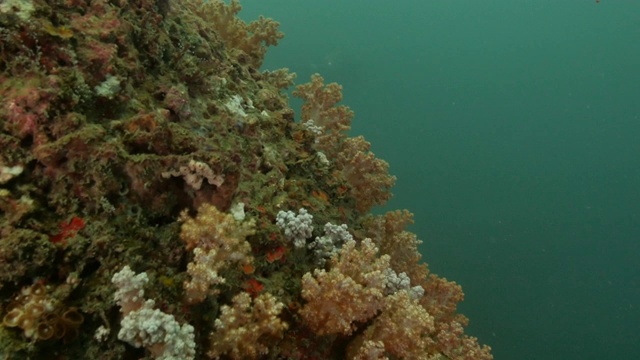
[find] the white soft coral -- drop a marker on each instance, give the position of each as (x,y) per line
(142,325)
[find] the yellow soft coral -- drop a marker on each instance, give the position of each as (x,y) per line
(243,329)
(217,240)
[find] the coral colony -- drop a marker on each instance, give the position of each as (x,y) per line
(158,200)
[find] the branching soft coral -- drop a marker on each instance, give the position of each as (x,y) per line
(367,175)
(441,298)
(217,240)
(251,39)
(244,329)
(455,345)
(351,292)
(403,329)
(389,234)
(321,107)
(439,301)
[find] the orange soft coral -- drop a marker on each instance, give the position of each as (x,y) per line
(321,109)
(403,329)
(248,42)
(367,175)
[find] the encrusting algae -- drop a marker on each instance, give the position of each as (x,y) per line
(159,200)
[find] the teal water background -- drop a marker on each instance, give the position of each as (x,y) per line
(513,127)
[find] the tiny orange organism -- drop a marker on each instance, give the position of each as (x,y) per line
(253,287)
(144,122)
(248,269)
(341,190)
(320,195)
(68,230)
(276,254)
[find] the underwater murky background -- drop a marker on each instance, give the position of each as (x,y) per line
(513,127)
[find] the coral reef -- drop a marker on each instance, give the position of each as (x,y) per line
(144,135)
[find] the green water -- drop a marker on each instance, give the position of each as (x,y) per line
(514,130)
